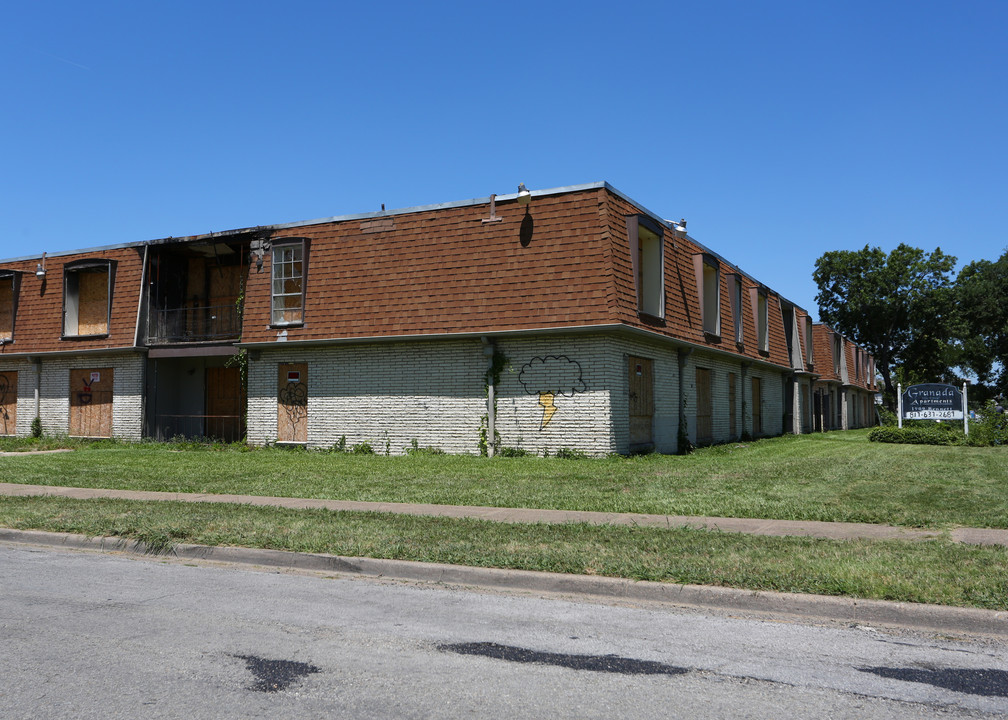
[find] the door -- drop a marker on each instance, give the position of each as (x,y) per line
(641,385)
(225,404)
(732,427)
(292,403)
(704,426)
(757,403)
(8,402)
(91,402)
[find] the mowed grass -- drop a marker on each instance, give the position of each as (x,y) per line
(836,476)
(937,572)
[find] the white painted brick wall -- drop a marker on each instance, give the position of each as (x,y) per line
(54,401)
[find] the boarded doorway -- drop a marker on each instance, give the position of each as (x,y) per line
(292,403)
(732,427)
(8,402)
(704,424)
(757,405)
(91,402)
(641,386)
(225,404)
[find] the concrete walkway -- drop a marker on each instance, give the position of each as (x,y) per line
(780,528)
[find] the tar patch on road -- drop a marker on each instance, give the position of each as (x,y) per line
(595,663)
(275,675)
(990,683)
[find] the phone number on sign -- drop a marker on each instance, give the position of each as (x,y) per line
(933,415)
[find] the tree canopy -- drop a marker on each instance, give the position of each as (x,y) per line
(982,300)
(900,307)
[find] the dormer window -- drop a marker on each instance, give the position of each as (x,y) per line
(87,298)
(735,282)
(9,282)
(762,322)
(647,255)
(808,341)
(709,290)
(289,269)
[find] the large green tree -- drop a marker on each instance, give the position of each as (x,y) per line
(982,302)
(898,306)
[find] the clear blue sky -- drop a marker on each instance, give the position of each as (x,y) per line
(780,130)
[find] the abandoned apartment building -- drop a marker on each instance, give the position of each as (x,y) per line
(564,318)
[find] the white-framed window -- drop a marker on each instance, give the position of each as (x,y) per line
(837,349)
(647,255)
(288,291)
(87,298)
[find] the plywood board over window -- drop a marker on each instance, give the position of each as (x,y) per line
(292,402)
(8,296)
(8,402)
(91,402)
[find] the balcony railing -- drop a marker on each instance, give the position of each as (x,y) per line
(228,428)
(193,324)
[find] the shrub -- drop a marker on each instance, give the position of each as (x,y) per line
(990,427)
(513,452)
(933,435)
(570,454)
(363,448)
(415,449)
(36,427)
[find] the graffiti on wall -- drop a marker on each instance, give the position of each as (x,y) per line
(84,396)
(294,400)
(549,377)
(5,387)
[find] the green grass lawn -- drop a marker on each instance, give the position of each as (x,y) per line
(928,572)
(836,476)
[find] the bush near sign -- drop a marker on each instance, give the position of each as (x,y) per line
(932,401)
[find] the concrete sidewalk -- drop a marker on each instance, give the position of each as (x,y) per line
(780,528)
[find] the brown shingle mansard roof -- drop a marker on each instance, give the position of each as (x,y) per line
(562,263)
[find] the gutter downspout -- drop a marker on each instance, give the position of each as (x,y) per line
(38,388)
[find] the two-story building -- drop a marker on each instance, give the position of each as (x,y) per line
(565,318)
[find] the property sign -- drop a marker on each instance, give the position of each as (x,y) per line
(932,401)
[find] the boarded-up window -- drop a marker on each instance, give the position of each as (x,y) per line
(704,425)
(762,323)
(8,402)
(292,403)
(91,402)
(8,303)
(86,296)
(757,405)
(647,241)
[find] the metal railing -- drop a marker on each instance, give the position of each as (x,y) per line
(193,324)
(227,428)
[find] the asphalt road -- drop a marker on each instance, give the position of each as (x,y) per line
(90,635)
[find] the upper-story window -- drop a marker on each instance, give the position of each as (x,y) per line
(808,340)
(762,322)
(837,349)
(736,297)
(9,282)
(709,278)
(87,298)
(289,273)
(647,241)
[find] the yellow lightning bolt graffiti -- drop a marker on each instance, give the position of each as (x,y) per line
(549,409)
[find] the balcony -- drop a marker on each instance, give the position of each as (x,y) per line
(214,323)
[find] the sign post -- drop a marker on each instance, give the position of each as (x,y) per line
(965,410)
(899,405)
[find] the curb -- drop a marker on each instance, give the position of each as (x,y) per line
(933,618)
